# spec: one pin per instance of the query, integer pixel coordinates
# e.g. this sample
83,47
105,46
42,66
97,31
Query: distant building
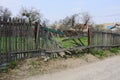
81,27
115,27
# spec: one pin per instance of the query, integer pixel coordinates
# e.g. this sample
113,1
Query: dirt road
108,69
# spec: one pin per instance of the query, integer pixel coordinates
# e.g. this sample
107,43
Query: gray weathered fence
17,40
104,38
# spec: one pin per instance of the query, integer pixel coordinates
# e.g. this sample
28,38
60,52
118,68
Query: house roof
109,27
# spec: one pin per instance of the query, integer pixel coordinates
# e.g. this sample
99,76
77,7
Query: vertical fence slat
100,38
16,35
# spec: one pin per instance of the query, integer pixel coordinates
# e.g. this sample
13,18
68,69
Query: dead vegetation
35,66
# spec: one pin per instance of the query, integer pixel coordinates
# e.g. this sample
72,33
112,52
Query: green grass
98,53
105,53
13,64
85,40
114,50
69,44
11,44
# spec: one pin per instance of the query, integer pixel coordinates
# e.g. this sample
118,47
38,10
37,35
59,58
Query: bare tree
68,22
31,13
86,18
71,21
5,12
77,21
84,23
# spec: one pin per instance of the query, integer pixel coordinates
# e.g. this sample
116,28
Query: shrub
114,50
4,69
13,64
99,53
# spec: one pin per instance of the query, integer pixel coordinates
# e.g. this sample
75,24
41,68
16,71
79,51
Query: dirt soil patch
33,66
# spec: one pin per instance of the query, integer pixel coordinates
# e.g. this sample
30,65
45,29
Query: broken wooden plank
75,37
67,49
62,54
68,52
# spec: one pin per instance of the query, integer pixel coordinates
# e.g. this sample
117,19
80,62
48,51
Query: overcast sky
102,11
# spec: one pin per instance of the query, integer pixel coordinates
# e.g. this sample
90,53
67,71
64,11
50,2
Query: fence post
89,38
0,37
36,34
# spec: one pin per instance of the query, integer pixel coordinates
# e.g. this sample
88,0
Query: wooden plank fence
104,38
17,40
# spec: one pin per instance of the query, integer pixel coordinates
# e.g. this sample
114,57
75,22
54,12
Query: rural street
108,69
